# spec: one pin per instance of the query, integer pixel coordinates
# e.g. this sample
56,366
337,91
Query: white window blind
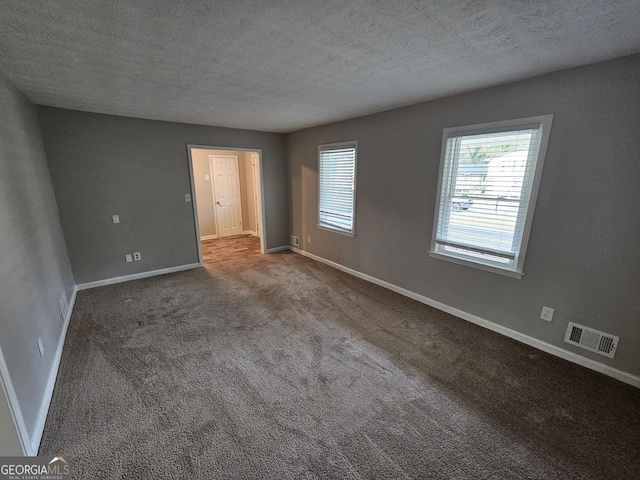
488,183
337,176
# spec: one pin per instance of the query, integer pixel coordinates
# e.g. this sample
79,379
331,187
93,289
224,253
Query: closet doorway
227,201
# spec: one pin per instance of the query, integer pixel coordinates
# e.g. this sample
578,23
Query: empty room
318,240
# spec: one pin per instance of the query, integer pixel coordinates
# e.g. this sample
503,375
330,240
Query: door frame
258,195
212,157
263,222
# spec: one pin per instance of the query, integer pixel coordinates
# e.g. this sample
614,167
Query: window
489,176
337,177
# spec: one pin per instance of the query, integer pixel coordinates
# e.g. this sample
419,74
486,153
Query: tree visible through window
488,184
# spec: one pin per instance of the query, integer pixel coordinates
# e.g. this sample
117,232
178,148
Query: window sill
335,230
481,266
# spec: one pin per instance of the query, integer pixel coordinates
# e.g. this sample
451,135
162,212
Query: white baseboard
209,237
277,249
36,437
508,332
249,232
136,276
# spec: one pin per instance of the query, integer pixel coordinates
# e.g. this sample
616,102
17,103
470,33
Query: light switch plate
128,258
187,197
40,347
115,218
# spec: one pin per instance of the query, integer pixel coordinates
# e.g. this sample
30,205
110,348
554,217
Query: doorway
227,191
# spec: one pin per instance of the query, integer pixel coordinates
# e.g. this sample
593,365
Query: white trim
51,382
257,189
621,375
209,237
195,206
543,123
336,230
263,205
278,249
263,236
14,406
479,265
136,276
249,232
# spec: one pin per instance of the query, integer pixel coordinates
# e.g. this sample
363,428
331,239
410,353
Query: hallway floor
230,248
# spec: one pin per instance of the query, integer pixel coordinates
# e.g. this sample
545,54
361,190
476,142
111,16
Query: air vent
295,241
590,339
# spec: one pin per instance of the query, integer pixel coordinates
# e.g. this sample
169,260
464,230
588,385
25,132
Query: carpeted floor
279,367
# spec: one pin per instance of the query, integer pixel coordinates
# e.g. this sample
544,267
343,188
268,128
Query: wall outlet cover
295,241
137,256
547,314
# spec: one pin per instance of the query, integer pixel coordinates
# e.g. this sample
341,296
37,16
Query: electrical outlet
115,218
128,258
137,256
547,314
40,347
295,241
187,197
309,239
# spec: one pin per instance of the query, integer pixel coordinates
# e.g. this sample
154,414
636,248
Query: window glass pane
337,188
485,190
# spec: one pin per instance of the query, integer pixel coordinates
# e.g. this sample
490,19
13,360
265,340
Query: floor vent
594,340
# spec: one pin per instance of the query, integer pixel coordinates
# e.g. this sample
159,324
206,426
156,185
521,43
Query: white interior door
226,191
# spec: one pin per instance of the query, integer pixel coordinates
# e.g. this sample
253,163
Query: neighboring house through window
489,177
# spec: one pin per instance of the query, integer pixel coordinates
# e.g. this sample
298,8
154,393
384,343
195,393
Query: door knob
218,203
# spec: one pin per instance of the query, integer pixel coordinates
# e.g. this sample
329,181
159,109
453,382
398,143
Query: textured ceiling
282,65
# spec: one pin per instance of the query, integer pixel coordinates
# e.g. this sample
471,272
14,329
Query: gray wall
9,440
583,257
103,165
34,268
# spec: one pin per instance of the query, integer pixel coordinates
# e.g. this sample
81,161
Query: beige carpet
279,367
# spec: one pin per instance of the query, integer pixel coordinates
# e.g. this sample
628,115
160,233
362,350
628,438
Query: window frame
544,122
330,146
